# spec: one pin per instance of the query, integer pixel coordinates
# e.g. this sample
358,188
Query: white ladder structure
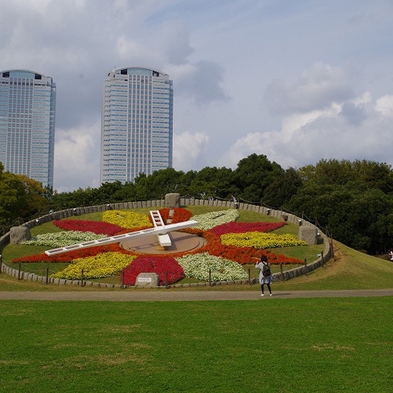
163,238
159,228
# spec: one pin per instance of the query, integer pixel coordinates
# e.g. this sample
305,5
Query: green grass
283,345
276,345
47,227
349,269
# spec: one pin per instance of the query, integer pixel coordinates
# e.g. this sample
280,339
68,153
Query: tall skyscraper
27,124
136,124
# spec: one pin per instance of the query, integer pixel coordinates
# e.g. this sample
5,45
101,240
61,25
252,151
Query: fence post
82,278
166,280
1,263
210,277
122,278
19,269
47,276
305,266
282,272
249,276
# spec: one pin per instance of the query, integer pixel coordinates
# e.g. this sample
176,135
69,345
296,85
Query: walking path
152,295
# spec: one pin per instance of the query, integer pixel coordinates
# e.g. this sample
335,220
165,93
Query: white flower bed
62,239
198,266
210,220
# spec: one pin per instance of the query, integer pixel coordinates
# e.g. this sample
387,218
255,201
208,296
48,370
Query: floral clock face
227,245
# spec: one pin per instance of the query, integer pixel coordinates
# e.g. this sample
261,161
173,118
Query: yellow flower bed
101,265
260,240
127,220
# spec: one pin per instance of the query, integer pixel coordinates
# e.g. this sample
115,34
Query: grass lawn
286,345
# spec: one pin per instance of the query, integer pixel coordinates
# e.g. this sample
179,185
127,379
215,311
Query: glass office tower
27,124
136,124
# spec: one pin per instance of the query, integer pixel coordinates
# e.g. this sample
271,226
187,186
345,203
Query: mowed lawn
278,345
264,345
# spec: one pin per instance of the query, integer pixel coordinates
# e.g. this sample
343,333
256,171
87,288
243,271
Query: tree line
351,201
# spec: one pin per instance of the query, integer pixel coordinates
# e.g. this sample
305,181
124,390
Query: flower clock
228,245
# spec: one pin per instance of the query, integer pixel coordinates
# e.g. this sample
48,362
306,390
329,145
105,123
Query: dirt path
168,295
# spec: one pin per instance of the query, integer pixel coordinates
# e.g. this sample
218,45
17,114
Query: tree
35,197
369,173
9,209
213,182
351,199
20,198
142,192
280,191
163,182
108,192
156,185
375,175
254,175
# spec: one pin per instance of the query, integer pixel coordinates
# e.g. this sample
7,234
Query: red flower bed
179,215
168,270
242,255
241,227
98,227
71,255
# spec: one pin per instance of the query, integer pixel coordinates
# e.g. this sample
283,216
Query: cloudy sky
296,80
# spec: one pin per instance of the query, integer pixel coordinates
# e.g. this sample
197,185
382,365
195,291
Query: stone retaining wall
325,256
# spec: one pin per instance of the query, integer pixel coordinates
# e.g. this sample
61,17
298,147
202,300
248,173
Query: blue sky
296,80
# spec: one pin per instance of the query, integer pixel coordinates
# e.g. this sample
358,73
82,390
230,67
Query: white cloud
129,48
201,82
174,43
76,158
317,88
306,138
188,150
385,105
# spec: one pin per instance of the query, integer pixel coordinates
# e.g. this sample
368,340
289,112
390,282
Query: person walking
265,275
